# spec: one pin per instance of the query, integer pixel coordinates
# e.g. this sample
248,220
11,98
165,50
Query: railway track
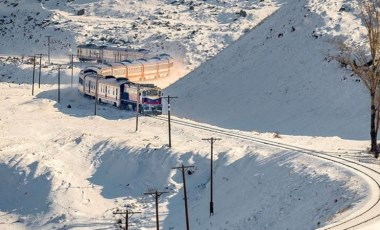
356,220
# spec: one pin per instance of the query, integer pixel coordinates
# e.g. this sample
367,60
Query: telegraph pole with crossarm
182,167
72,67
39,74
34,71
211,140
156,194
170,136
138,107
48,37
59,82
127,214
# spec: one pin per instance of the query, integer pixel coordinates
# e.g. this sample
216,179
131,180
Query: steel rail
320,154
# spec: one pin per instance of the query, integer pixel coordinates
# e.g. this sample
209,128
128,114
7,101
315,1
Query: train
103,54
135,70
122,93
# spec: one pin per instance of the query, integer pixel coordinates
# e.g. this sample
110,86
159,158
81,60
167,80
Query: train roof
125,62
109,80
93,46
112,81
162,58
116,64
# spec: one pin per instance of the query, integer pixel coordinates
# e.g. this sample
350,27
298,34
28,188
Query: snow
266,79
62,167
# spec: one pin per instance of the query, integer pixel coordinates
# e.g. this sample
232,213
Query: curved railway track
355,220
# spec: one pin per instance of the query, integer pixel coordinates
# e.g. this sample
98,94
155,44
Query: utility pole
96,92
48,36
182,167
72,68
211,140
170,135
59,83
34,71
156,194
39,74
127,214
138,107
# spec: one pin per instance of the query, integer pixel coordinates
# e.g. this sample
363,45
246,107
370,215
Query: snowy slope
277,78
191,31
63,168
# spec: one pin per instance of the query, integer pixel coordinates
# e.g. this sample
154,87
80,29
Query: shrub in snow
276,135
243,13
80,12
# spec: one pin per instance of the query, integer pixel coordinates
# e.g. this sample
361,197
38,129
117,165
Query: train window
151,93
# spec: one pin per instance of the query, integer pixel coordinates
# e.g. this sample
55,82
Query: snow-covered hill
191,31
63,168
278,78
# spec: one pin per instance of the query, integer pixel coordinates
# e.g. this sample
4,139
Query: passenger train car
102,54
135,70
122,93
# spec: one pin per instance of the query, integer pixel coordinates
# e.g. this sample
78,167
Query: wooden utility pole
72,68
211,140
170,136
59,83
182,167
156,194
39,74
127,214
138,107
96,93
34,71
48,36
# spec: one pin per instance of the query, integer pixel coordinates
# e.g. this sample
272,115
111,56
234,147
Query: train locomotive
122,93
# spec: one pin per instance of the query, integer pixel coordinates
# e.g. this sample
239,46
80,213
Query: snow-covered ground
61,167
64,168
